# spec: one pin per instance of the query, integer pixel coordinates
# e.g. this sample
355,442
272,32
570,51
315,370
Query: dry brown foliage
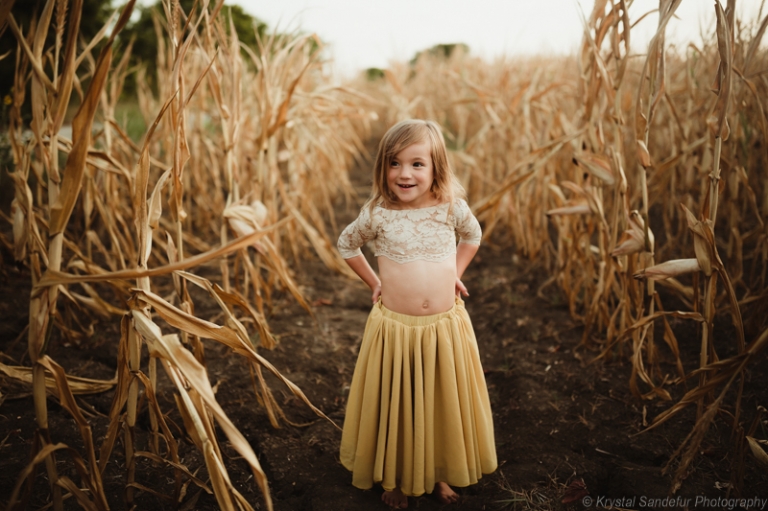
571,160
600,147
245,146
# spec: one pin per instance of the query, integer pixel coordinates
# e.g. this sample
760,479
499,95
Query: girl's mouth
406,186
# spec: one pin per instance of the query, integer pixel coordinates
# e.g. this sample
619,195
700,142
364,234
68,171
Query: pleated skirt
418,410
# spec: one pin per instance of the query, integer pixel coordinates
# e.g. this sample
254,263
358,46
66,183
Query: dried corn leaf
51,278
155,206
757,451
725,74
643,156
90,474
633,239
667,269
224,334
78,385
81,133
196,377
66,79
597,165
41,455
703,241
580,207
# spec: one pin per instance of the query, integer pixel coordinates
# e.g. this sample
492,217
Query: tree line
95,13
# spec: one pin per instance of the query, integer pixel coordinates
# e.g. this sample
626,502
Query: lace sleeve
356,234
466,224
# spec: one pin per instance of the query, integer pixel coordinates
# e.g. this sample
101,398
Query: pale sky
371,33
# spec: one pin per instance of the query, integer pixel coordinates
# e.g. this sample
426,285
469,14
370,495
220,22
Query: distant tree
442,50
145,38
374,73
95,13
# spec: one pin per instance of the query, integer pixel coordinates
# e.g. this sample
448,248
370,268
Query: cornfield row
240,140
576,162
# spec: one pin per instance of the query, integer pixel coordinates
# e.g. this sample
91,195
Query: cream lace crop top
408,235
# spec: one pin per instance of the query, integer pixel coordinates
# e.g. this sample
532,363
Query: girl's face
410,175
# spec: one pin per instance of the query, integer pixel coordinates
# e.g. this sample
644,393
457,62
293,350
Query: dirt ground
558,418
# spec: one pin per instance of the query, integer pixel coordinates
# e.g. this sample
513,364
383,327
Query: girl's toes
445,493
395,499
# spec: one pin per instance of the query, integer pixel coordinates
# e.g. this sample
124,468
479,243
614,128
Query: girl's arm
465,252
470,235
354,236
360,266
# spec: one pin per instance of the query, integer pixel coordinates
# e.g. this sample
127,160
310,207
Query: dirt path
556,417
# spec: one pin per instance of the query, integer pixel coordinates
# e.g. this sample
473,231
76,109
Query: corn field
236,144
634,176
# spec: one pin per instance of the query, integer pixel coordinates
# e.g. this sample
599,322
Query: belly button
425,305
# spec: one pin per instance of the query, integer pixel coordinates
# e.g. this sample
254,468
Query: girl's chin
410,203
406,197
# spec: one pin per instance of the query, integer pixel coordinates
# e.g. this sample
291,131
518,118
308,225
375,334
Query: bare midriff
418,288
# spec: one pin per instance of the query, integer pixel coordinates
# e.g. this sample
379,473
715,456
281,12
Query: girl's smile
410,176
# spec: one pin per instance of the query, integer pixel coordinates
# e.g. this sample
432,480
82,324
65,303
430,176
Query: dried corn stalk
226,128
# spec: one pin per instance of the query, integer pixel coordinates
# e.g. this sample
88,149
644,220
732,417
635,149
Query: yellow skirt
418,409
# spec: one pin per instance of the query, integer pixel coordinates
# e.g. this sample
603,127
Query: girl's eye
418,164
393,164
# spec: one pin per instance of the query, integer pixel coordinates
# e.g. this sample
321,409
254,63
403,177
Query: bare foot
445,493
395,498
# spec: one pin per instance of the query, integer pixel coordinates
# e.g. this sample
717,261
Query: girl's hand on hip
376,293
461,289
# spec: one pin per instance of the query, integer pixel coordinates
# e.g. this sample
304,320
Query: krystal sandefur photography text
699,501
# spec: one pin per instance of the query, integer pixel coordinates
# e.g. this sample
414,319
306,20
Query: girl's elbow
469,245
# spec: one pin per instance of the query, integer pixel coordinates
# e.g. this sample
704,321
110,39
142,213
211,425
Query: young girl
418,416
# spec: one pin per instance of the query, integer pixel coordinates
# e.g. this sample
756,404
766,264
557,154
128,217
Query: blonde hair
445,186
